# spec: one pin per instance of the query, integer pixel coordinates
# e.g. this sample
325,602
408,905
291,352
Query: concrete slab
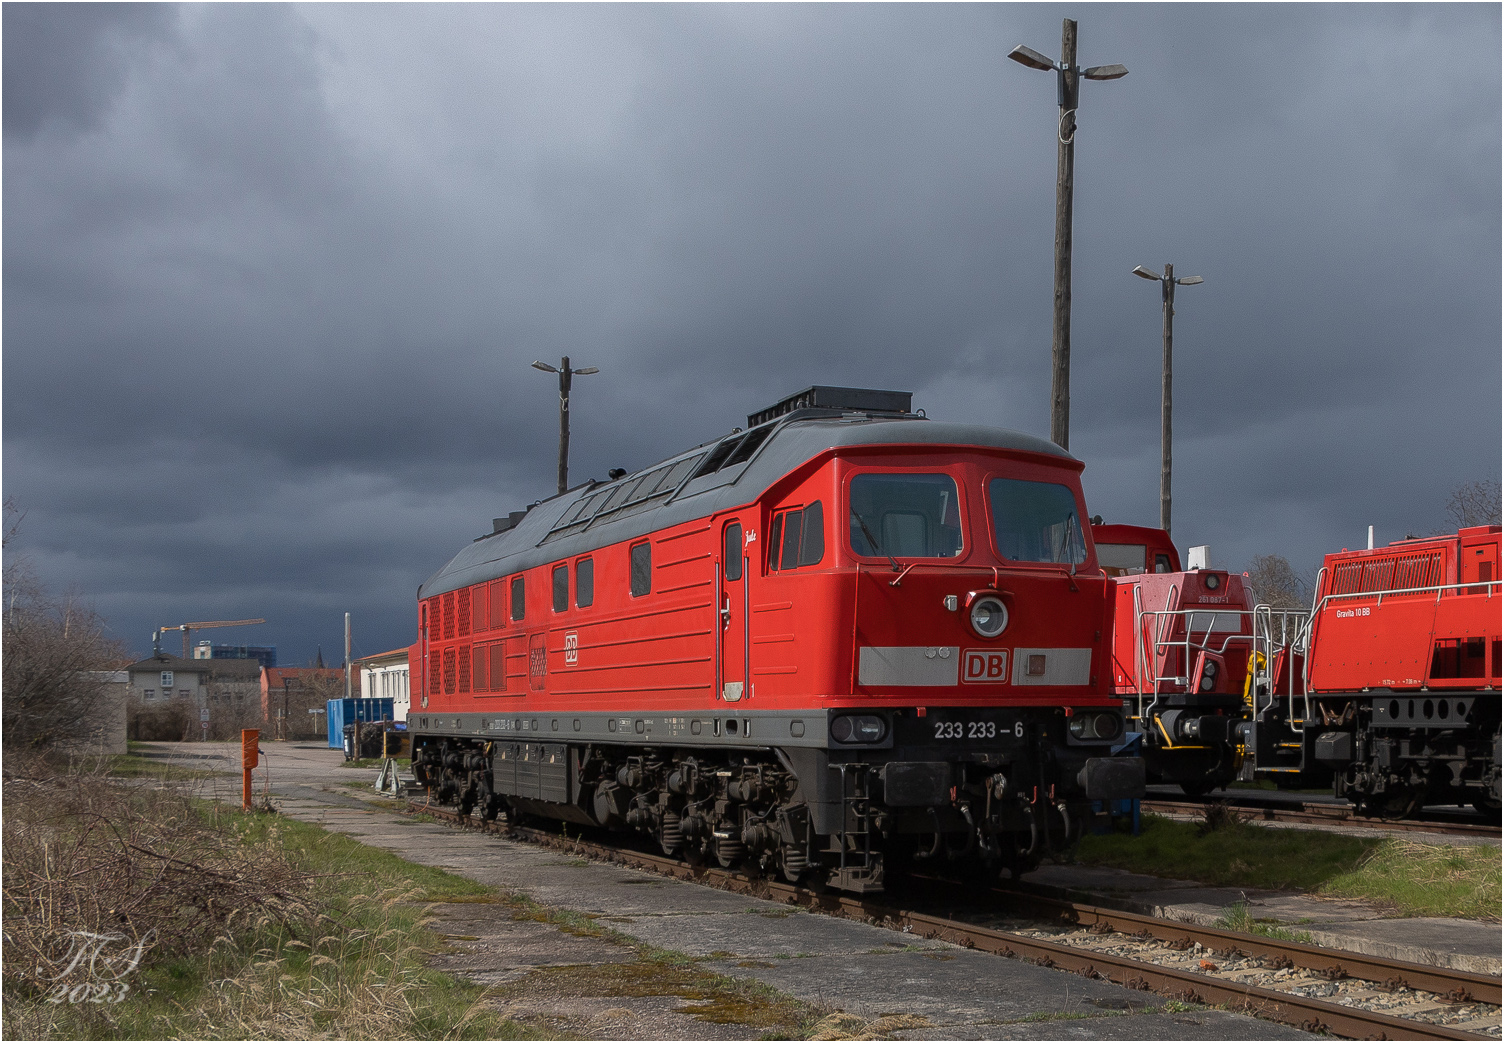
777,933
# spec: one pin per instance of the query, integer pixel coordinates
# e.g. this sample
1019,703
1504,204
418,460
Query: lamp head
586,369
1032,58
1144,273
545,367
1105,72
1189,281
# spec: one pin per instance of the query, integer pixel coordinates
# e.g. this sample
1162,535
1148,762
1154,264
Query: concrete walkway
897,986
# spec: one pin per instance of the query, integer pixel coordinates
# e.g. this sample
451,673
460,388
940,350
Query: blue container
343,712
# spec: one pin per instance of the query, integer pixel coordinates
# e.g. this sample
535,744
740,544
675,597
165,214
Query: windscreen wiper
874,542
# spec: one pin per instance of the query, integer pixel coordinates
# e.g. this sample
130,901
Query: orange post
249,748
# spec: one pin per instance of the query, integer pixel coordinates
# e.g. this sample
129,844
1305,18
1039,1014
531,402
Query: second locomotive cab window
517,598
797,538
1036,521
642,569
585,582
905,516
561,588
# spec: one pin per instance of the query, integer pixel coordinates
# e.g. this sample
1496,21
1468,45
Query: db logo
985,665
571,647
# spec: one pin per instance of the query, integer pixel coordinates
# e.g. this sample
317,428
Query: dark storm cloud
65,63
273,274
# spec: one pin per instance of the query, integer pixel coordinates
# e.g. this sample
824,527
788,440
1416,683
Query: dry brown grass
85,854
257,927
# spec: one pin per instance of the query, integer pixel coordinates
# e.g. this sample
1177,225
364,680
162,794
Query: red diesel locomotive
1393,687
842,639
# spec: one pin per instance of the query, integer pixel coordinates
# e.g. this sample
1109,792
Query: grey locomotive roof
793,441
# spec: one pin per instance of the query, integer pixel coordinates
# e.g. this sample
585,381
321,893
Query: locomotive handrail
1164,639
1295,627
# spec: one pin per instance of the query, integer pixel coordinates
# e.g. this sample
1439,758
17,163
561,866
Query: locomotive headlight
1211,580
1209,676
1086,725
989,616
858,728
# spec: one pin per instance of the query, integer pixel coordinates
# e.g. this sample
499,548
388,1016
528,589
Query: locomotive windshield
905,516
1036,522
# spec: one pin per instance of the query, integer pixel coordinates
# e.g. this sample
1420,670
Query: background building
385,676
264,655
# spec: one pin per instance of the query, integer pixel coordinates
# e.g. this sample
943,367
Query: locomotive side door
732,636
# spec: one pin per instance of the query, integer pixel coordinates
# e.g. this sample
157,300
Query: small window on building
642,569
517,598
149,694
585,582
561,588
166,680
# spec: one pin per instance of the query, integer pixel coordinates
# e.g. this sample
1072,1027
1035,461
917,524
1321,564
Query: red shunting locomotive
843,639
1182,642
1394,683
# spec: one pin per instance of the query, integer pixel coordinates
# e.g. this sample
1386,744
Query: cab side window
797,538
561,588
642,569
585,582
517,598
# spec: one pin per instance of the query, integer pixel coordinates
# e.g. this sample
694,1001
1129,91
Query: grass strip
1426,880
1408,878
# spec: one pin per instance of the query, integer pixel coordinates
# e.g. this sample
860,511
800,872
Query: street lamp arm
545,367
1144,273
1189,281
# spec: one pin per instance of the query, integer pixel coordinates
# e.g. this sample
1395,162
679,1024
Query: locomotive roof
606,513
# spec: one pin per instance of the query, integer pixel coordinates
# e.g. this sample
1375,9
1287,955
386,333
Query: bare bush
1276,584
1475,504
83,854
55,653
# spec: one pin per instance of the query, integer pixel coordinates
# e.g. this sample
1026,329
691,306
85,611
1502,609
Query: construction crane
189,628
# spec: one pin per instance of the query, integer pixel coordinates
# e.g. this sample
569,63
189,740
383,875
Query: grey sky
273,274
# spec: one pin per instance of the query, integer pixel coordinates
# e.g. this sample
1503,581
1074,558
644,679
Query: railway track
1321,814
1308,1013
